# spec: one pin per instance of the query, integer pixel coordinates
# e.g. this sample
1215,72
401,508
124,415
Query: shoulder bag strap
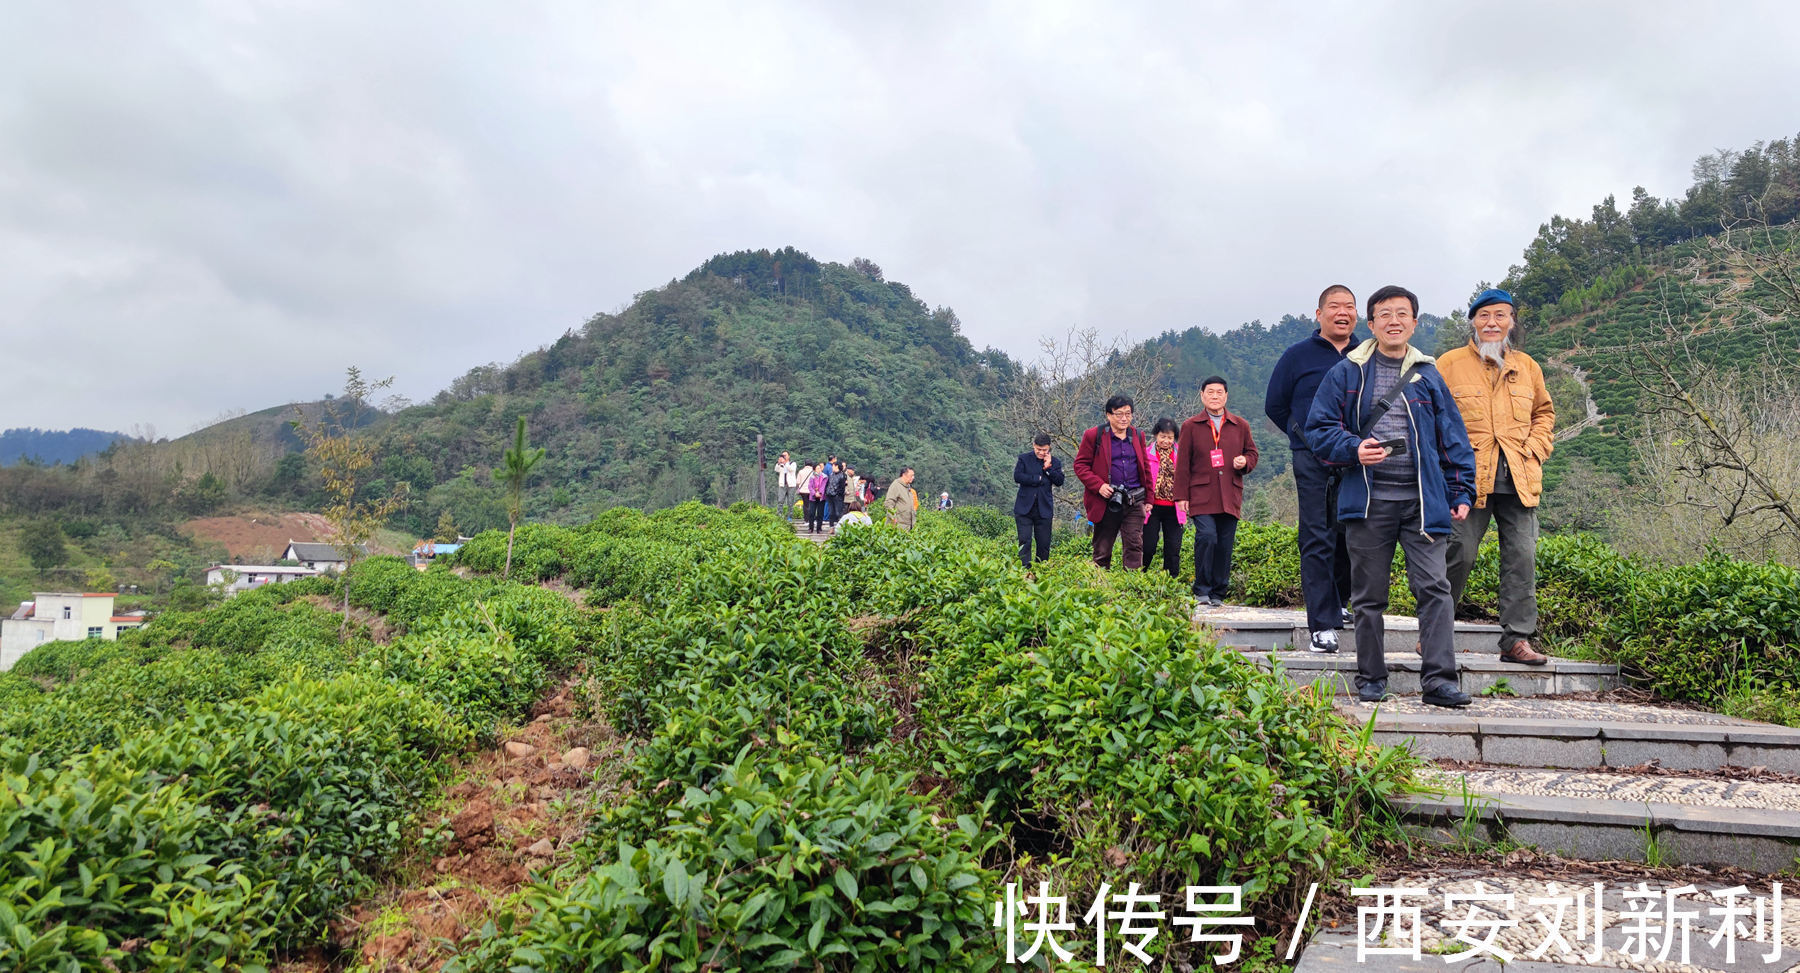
1386,402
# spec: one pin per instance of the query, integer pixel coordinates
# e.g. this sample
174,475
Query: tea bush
1706,630
778,864
216,786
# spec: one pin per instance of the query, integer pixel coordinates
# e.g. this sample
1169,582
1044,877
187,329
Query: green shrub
1706,628
99,852
778,865
985,522
1117,726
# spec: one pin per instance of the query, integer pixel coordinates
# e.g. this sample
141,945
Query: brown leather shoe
1521,653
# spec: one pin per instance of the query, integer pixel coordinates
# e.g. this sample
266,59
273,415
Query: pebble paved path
1624,788
1550,707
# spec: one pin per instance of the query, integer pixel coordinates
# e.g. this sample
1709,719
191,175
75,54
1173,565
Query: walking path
1547,761
825,533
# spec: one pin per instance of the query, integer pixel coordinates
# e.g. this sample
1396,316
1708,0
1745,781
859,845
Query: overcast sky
209,206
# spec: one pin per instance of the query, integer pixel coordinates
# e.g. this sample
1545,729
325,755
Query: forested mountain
662,402
48,446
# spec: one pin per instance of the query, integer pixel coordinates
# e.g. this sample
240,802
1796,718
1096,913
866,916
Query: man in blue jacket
1385,415
1324,563
1037,473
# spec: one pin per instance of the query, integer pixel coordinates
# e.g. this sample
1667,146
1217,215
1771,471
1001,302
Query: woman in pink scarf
1161,516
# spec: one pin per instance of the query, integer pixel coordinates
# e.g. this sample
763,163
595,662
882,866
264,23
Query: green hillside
662,402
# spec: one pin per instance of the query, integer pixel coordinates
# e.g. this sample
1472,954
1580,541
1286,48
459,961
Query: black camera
1121,496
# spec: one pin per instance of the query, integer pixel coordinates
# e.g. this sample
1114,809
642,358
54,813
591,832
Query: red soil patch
258,538
517,812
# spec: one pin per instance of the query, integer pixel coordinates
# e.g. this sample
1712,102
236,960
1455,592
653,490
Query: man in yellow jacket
1511,420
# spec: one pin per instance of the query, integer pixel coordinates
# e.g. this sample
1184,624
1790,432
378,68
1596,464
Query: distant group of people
831,491
1390,447
1148,491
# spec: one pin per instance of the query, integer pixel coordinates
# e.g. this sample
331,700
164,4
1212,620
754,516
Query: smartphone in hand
1394,447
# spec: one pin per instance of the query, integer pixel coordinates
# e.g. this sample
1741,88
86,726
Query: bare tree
1064,392
1720,440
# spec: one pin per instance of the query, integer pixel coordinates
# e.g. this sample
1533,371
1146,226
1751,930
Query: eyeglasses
1121,414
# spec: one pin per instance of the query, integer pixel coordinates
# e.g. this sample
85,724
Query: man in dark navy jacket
1037,473
1324,562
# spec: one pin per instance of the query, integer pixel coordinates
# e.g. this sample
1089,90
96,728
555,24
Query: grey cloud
220,206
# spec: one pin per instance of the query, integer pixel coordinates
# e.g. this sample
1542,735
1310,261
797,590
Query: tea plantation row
214,788
842,751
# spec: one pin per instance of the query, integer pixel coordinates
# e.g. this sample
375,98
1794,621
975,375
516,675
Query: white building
324,557
60,617
243,577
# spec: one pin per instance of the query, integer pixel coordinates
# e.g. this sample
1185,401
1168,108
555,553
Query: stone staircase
826,532
1277,637
1586,778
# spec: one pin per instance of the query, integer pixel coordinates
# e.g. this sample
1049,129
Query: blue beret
1492,295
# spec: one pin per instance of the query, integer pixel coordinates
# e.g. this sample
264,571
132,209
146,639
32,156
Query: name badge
1218,459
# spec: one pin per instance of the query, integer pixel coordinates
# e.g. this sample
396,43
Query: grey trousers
1371,543
784,500
1518,526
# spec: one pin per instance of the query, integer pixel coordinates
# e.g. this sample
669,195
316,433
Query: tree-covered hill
662,402
50,446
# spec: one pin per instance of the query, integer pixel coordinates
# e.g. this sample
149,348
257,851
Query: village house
243,577
53,616
323,557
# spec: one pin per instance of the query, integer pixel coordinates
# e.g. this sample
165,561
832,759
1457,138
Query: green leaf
845,883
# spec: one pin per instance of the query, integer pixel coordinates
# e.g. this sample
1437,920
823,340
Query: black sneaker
1346,617
1447,696
1324,642
1374,692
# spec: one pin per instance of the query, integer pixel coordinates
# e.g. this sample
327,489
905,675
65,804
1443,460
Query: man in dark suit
1037,473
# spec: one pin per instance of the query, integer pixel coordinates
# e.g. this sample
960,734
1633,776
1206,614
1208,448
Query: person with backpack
1114,468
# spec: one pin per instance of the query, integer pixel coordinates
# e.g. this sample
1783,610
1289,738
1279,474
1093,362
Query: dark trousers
1324,559
1033,529
1164,522
835,508
1518,526
815,514
1125,520
1214,537
1371,541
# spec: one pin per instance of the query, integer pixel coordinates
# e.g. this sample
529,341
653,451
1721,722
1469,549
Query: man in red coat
1217,452
1115,470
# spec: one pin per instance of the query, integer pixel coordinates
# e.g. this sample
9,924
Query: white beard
1494,351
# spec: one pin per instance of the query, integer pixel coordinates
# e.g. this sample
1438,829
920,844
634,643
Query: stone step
1548,732
1663,820
1336,673
1277,628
